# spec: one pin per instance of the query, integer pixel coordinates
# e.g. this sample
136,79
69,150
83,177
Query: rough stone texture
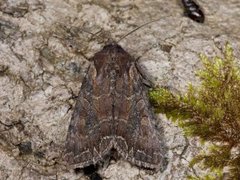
44,47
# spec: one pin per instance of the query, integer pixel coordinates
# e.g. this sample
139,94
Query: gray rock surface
44,47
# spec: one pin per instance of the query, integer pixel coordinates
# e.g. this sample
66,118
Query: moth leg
145,80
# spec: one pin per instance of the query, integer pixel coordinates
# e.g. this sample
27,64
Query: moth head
112,58
113,47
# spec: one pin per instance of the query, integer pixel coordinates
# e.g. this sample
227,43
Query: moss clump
210,111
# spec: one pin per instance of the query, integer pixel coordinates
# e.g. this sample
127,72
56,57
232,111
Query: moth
193,11
112,111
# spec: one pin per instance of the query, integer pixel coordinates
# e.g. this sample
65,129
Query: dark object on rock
193,11
91,172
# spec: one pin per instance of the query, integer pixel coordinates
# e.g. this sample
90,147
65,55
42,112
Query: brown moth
113,112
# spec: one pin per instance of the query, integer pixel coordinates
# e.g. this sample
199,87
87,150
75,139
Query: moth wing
138,138
89,134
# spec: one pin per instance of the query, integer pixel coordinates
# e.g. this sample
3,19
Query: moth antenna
113,41
145,24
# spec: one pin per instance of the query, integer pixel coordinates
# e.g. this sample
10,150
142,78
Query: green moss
210,111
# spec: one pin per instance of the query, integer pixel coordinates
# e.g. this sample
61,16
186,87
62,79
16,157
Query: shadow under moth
113,112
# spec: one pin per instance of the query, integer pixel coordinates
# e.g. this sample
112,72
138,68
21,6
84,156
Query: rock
44,52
